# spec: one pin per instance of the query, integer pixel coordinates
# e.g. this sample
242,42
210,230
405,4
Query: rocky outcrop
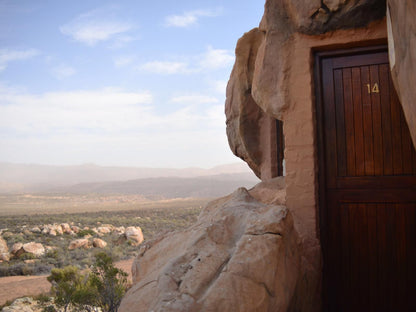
241,255
401,25
33,248
260,77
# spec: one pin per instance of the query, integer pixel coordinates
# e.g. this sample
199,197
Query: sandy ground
12,287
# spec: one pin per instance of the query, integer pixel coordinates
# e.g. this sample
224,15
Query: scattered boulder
4,250
66,228
120,230
33,248
134,234
79,243
98,243
36,229
16,249
104,230
241,255
26,232
75,229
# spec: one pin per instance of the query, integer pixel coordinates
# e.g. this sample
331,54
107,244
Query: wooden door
367,166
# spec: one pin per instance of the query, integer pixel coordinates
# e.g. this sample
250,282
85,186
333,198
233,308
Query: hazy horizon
118,83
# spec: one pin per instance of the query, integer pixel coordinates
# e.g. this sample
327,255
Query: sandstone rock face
4,250
36,249
241,255
260,77
243,114
79,243
402,46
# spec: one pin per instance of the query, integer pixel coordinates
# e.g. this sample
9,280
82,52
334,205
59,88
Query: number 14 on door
373,89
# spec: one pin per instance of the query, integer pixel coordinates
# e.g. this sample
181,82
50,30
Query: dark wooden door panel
367,186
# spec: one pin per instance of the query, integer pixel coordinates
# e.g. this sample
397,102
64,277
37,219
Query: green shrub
109,281
103,287
70,287
83,233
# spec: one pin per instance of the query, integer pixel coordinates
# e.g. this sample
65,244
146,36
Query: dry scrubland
19,214
36,204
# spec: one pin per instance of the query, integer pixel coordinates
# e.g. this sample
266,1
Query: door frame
320,156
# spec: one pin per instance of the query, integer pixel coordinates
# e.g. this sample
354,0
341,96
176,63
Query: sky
118,83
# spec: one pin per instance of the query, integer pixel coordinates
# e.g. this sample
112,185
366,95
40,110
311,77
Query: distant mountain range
150,182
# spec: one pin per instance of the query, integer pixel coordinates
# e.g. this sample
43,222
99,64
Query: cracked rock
241,255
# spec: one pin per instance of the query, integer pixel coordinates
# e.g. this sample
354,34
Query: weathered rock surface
33,248
79,243
134,234
402,46
244,116
98,243
241,255
24,304
16,249
4,250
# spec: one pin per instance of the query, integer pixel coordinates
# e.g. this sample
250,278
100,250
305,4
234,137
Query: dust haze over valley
28,189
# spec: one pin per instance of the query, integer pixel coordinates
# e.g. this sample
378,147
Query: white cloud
9,55
195,99
211,60
104,110
165,67
189,18
63,71
109,126
216,59
96,26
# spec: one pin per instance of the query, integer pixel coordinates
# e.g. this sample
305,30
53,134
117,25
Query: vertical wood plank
340,123
401,272
367,121
345,255
355,261
358,122
376,115
349,121
382,256
410,255
373,269
329,125
386,119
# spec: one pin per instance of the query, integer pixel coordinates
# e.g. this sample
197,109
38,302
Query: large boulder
36,249
98,243
241,255
134,235
79,243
